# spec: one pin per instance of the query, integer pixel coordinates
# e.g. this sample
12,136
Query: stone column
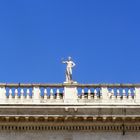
2,94
70,94
36,95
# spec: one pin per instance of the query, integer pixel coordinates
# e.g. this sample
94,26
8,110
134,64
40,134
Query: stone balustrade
107,93
69,93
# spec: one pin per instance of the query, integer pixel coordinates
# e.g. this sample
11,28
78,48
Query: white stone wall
68,136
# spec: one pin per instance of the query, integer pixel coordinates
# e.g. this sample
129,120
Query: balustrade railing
57,93
28,93
112,93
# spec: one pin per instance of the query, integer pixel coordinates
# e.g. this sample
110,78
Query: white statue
70,65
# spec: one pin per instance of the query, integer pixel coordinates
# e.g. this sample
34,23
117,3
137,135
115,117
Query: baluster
134,93
95,94
4,93
22,94
89,94
124,94
63,94
10,93
57,94
51,94
118,94
45,94
38,95
83,94
16,93
28,94
112,94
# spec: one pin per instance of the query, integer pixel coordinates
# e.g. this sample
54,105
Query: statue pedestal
71,82
70,93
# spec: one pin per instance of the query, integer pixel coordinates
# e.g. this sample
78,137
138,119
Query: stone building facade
69,111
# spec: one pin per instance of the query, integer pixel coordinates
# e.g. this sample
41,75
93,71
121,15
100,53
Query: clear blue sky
102,36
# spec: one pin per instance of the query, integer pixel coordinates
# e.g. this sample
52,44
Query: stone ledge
71,110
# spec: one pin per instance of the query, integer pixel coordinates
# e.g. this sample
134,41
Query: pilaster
2,94
105,96
36,94
70,93
137,94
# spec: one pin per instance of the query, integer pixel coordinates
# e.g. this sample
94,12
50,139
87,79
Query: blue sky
102,37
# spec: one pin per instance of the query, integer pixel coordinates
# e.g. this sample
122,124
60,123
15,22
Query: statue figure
70,64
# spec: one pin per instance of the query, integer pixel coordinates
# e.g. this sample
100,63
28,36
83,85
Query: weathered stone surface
67,136
71,110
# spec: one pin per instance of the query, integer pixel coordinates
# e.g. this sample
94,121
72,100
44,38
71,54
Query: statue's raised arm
70,65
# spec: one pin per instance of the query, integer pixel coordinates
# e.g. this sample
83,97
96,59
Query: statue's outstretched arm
64,62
